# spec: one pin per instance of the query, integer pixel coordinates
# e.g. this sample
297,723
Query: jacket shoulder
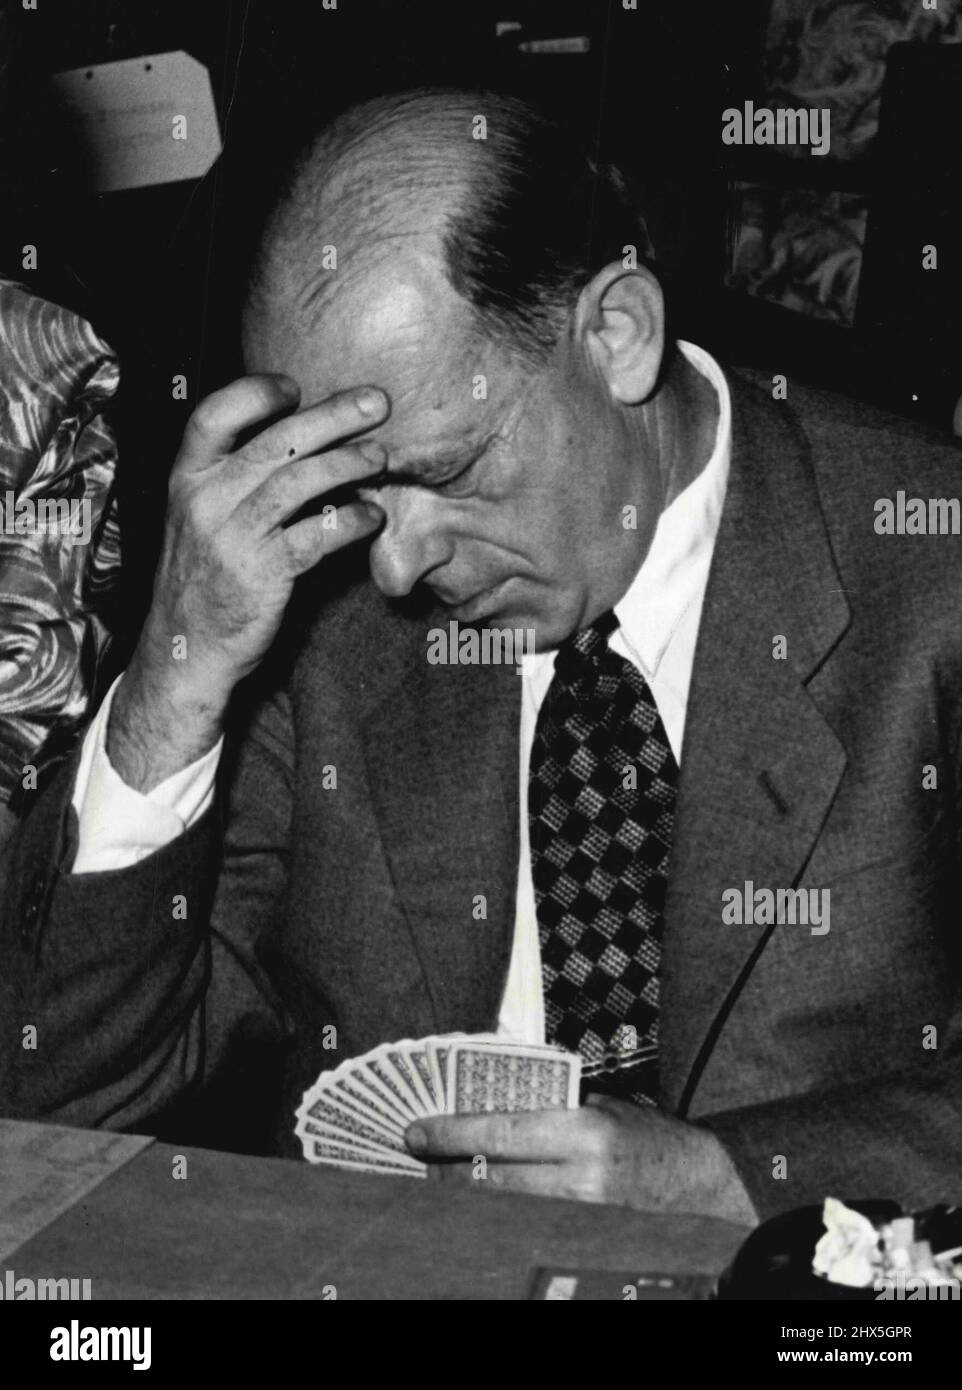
868,466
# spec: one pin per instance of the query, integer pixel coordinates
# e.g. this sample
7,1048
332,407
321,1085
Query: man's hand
230,558
608,1151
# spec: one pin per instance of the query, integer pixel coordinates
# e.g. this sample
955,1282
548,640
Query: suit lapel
759,767
442,752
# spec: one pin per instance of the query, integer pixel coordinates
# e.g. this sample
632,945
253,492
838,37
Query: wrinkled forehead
409,334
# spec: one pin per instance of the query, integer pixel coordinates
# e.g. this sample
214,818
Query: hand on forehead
402,328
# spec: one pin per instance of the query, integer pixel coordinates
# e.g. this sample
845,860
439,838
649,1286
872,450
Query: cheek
545,463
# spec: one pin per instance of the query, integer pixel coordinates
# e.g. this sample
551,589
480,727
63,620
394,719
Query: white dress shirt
658,626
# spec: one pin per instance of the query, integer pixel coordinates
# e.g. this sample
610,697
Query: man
769,686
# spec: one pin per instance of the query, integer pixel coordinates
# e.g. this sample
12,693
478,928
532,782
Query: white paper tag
144,120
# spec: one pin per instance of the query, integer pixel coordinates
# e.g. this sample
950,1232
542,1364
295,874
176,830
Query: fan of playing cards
355,1116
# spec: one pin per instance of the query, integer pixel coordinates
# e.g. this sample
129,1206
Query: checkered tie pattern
601,807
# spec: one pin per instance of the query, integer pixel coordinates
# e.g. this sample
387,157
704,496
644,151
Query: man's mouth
472,607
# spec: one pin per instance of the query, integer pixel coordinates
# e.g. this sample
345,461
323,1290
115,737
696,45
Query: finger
308,541
603,1102
319,426
551,1136
291,486
221,417
573,1181
624,1109
577,1182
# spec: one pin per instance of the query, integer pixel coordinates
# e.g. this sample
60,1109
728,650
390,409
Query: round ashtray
775,1262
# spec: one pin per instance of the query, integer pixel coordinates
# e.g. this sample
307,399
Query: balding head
515,215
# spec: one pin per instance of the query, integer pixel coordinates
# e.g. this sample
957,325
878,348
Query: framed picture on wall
797,216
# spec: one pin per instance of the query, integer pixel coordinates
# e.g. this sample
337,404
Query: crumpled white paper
848,1252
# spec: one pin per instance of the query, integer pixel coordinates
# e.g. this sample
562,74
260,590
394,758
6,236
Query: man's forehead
370,300
448,391
396,313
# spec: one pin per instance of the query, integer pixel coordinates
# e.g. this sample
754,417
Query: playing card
438,1049
310,1129
417,1055
387,1077
397,1055
509,1077
360,1145
437,1075
325,1151
364,1075
352,1126
367,1102
355,1116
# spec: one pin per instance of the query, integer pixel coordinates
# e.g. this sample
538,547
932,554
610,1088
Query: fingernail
415,1138
370,401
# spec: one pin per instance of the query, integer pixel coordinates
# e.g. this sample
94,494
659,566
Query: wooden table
240,1227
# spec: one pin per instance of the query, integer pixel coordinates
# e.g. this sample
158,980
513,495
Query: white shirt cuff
119,826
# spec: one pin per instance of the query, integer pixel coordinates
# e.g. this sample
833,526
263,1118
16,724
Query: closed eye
432,476
454,486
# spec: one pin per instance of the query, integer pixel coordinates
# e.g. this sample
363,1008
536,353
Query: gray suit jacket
352,906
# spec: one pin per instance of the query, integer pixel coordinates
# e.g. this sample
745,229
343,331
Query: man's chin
536,635
498,607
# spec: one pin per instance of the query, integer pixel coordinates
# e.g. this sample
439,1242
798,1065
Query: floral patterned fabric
832,53
802,247
56,451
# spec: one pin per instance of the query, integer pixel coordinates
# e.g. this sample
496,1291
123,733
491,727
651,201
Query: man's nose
411,544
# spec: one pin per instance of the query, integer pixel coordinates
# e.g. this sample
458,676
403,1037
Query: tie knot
586,646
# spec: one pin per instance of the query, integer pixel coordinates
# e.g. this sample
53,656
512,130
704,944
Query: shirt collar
674,572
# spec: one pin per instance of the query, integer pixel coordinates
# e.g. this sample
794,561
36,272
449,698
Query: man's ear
620,320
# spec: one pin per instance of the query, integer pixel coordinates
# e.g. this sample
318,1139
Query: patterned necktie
601,806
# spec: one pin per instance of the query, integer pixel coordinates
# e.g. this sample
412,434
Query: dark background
157,270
